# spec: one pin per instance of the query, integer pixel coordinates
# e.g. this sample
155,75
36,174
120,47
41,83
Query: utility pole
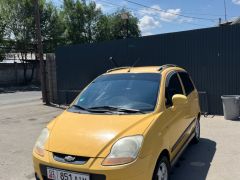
225,10
128,28
125,16
219,21
40,54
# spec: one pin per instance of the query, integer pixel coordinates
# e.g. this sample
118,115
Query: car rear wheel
196,138
162,169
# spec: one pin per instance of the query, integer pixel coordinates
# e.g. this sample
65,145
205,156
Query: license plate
57,174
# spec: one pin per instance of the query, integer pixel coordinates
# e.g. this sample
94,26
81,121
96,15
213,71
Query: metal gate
211,56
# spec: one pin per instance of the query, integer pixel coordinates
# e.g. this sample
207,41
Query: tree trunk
25,73
32,72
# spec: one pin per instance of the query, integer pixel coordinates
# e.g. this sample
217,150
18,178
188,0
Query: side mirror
179,99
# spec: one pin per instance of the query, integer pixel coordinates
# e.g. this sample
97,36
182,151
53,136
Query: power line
165,11
135,10
118,5
112,4
200,14
204,14
185,13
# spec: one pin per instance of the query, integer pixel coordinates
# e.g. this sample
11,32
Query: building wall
211,56
11,74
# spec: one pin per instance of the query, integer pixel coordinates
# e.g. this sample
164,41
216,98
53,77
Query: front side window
136,91
173,86
187,82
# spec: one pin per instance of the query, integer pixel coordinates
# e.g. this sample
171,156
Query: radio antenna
134,64
113,61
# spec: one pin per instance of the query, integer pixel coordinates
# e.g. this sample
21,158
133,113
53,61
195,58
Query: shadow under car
195,162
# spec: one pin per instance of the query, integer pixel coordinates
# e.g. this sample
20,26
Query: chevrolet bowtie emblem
69,158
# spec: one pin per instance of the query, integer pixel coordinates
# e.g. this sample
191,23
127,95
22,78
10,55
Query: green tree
21,25
85,23
76,22
122,28
93,15
52,27
103,31
21,30
81,21
3,26
74,18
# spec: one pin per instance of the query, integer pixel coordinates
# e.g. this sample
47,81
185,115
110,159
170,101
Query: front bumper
141,168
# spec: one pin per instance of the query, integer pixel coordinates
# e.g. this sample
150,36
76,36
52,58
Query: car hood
93,135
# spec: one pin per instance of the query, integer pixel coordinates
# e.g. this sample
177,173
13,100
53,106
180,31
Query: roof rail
165,66
118,68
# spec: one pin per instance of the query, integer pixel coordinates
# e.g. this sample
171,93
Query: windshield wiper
80,107
118,109
90,110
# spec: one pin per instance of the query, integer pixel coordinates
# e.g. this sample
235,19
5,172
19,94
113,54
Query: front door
177,123
192,96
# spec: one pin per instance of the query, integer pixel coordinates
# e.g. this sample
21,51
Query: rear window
187,83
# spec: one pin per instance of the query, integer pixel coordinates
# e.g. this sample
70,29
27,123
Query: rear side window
187,83
173,86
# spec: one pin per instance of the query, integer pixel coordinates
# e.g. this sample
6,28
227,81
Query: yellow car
131,123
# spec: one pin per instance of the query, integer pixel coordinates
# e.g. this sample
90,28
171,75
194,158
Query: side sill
175,159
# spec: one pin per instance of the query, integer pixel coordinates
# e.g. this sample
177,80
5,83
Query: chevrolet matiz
131,123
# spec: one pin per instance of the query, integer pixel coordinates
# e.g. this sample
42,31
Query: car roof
144,69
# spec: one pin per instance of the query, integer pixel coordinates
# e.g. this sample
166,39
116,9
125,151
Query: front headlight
39,146
124,151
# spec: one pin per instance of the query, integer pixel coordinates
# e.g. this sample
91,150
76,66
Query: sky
164,16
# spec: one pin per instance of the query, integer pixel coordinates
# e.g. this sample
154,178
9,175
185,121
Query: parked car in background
130,123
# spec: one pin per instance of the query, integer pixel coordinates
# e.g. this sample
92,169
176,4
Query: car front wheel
162,169
196,138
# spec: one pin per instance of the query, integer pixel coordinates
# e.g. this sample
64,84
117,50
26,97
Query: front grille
43,169
69,159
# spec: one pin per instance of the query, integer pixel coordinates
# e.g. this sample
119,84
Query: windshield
134,92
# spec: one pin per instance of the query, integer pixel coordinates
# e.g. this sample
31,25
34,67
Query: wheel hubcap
197,130
162,172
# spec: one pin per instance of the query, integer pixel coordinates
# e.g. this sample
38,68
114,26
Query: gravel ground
22,116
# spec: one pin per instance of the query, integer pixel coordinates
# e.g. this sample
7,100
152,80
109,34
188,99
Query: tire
197,130
164,166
